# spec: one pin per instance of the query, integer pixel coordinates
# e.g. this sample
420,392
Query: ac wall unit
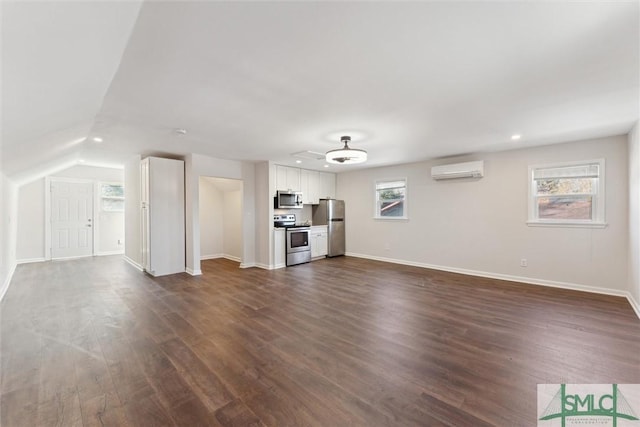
458,170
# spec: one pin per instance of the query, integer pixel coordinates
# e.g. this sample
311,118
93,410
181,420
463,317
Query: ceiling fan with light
346,155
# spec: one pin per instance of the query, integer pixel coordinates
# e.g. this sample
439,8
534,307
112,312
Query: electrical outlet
387,247
523,262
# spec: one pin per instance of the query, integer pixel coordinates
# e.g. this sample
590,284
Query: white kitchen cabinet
319,242
279,255
314,185
162,211
287,178
327,187
310,186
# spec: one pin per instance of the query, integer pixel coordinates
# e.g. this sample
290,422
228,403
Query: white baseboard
521,279
7,281
29,260
268,267
214,256
263,266
107,253
69,258
133,263
634,304
225,256
193,272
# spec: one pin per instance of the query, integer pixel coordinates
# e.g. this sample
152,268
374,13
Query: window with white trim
112,197
391,199
567,194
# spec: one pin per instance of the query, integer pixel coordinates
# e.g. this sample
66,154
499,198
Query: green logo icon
588,404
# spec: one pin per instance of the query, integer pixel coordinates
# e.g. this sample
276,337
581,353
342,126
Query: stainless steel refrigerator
330,212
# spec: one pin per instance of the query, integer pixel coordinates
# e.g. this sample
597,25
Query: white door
71,219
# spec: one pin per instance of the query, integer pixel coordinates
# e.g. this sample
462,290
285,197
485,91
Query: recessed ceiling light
298,161
97,139
516,137
81,160
326,166
180,131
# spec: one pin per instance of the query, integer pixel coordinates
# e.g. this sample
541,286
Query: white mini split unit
458,170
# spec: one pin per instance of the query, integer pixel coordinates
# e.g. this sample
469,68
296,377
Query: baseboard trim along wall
263,266
634,304
107,253
193,272
29,260
7,282
269,267
133,263
225,256
521,279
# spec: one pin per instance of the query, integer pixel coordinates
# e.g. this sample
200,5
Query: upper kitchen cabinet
314,185
287,178
327,187
310,186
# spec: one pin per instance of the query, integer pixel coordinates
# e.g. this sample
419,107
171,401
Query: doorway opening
220,202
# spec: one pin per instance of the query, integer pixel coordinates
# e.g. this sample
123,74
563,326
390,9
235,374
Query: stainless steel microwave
288,200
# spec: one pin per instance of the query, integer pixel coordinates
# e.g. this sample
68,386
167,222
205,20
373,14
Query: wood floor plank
340,341
19,407
62,409
103,410
147,411
237,414
204,383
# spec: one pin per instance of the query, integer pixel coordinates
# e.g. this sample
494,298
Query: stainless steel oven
298,243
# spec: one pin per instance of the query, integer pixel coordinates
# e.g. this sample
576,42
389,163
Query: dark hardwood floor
337,342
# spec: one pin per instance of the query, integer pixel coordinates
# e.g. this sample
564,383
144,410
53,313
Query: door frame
48,180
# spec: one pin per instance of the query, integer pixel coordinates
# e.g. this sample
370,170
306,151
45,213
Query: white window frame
101,197
376,214
598,207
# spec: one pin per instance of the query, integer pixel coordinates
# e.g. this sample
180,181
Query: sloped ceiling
58,60
261,80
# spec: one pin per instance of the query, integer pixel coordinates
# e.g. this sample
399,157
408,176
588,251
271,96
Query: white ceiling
261,80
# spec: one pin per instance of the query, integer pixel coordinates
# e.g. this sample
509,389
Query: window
391,202
112,197
567,194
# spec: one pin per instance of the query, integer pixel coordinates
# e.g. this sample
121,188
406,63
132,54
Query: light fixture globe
346,155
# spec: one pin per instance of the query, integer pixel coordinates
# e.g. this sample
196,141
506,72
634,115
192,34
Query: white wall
132,230
8,229
264,176
109,229
30,244
211,220
479,226
93,173
232,224
220,204
634,216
